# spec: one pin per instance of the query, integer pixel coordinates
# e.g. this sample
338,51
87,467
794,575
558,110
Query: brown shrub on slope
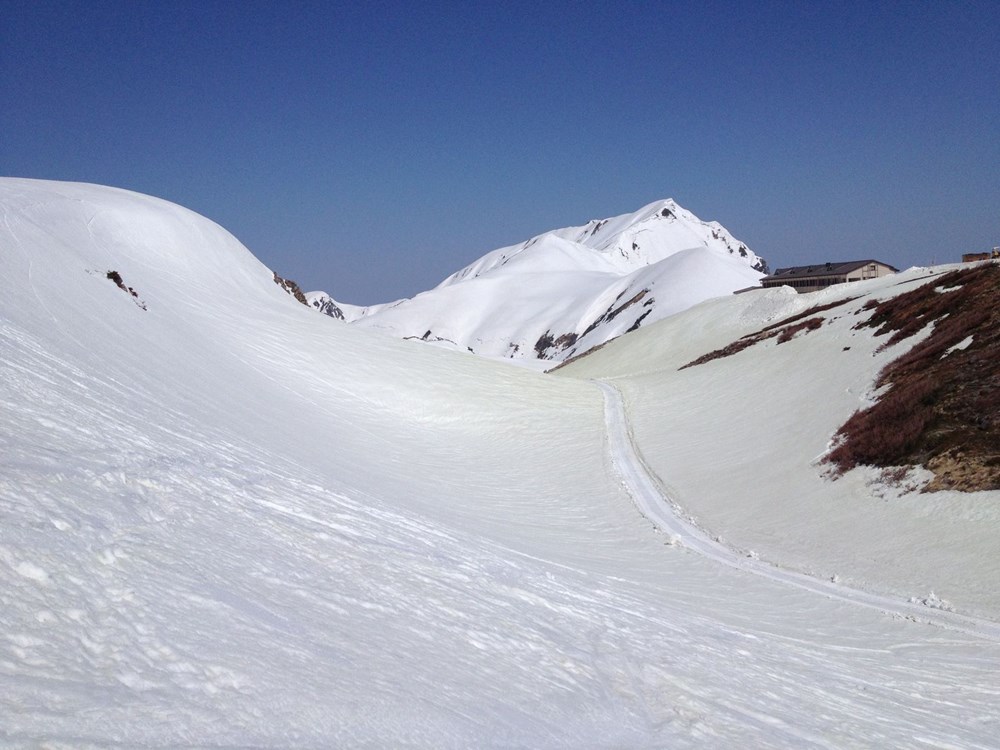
783,329
942,408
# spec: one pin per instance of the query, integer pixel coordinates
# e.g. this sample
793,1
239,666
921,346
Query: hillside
760,385
228,521
941,405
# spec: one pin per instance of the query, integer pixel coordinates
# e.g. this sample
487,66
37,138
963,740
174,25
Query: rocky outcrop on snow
325,304
340,310
292,288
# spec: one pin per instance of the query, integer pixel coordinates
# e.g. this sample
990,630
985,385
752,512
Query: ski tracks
664,513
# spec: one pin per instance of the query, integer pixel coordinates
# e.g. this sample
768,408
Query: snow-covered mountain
340,310
562,292
226,522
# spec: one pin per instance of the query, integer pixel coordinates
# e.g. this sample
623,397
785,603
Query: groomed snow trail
664,513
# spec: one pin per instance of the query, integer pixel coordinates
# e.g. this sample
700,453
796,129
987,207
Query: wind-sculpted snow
231,524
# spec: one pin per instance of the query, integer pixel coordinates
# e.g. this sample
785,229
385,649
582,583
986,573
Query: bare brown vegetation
814,310
788,332
783,329
942,406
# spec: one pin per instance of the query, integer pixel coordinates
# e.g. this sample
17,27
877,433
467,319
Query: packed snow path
654,503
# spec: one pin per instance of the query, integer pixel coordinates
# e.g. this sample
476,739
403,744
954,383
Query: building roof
823,269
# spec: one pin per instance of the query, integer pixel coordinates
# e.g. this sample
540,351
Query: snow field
227,520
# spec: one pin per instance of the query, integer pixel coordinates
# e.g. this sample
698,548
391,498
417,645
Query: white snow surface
764,419
655,503
226,522
565,291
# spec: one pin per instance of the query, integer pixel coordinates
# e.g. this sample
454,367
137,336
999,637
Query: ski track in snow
665,514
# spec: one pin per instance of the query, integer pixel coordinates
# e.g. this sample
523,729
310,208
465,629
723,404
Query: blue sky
371,149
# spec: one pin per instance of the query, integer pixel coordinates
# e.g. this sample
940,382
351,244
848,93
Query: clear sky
370,149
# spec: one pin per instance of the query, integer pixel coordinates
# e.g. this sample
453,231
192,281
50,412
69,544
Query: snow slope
256,529
769,493
567,290
655,504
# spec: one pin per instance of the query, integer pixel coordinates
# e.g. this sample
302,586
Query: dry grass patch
784,330
942,406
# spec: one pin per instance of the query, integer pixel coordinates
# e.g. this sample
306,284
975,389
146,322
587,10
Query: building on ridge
819,276
973,257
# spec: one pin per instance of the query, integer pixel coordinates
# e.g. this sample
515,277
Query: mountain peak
563,291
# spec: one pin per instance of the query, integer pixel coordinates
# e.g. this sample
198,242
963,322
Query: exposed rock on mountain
292,288
325,304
